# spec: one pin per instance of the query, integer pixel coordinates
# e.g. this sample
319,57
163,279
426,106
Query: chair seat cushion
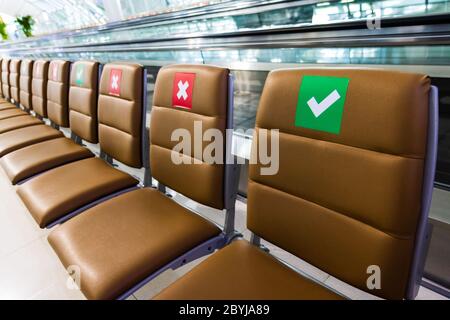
18,122
120,242
241,271
29,161
6,106
23,137
9,113
62,190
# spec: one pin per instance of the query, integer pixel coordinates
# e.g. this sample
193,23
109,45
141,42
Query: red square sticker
183,88
115,78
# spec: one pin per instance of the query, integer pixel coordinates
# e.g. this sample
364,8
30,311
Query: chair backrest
39,87
1,90
185,95
25,79
14,79
347,196
120,112
83,100
5,79
58,92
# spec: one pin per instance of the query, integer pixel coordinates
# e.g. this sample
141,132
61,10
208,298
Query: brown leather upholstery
1,90
83,100
20,138
14,79
120,114
7,106
39,87
347,201
18,122
5,79
10,113
112,258
26,76
242,271
342,202
120,242
29,161
50,154
92,179
58,92
200,182
24,95
49,196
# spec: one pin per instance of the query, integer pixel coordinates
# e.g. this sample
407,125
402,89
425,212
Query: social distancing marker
79,75
115,79
320,104
183,88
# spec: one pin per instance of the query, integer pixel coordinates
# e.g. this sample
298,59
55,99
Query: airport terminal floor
226,150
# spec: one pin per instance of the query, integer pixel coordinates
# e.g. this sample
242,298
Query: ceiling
55,15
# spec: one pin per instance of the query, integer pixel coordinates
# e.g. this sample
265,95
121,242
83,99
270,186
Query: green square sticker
79,74
321,103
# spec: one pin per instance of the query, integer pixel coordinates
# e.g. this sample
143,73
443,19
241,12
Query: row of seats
343,202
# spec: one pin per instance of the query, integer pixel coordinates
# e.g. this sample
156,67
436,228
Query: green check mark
325,115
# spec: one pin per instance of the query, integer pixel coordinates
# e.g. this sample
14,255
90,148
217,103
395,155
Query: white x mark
182,87
115,82
319,108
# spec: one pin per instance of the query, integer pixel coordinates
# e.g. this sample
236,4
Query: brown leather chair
57,194
83,96
2,100
342,202
4,103
5,79
26,79
23,137
14,79
57,92
27,162
9,109
123,243
39,88
24,120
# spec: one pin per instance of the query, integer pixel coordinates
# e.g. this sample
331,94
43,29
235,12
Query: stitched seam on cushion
139,101
71,108
125,132
346,145
83,114
171,150
175,109
395,236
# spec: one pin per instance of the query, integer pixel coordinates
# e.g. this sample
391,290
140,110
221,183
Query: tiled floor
29,269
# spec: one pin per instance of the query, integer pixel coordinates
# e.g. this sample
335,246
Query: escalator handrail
430,30
184,14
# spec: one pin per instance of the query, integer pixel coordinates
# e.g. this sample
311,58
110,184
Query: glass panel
443,164
74,15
